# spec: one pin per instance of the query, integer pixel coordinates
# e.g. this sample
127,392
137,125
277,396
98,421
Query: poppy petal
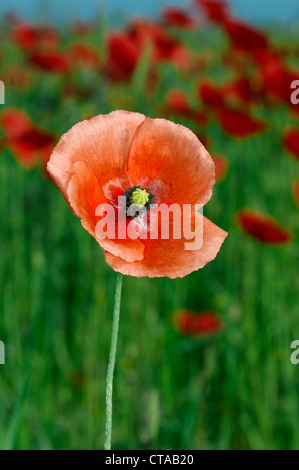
106,156
169,159
170,258
262,227
85,195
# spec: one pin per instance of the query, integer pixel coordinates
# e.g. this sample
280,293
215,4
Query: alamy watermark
160,222
2,92
2,353
295,94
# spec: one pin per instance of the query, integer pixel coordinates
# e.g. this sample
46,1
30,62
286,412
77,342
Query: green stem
111,364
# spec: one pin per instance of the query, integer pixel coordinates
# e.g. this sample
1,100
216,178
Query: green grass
238,390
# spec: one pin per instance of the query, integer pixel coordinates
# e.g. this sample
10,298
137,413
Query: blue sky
255,10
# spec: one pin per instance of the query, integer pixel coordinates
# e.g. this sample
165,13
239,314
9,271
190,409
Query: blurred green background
234,390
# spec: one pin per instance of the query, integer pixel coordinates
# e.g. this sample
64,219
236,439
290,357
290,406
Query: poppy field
204,359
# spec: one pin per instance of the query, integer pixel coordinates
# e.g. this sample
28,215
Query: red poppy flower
177,103
47,61
273,76
291,141
142,161
28,36
209,94
84,56
28,143
165,47
221,167
238,92
176,17
262,227
55,62
197,325
296,191
238,123
215,10
244,37
123,56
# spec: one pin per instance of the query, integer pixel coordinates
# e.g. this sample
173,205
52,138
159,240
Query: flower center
140,197
137,201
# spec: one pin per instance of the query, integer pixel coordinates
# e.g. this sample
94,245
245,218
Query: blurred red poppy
29,144
126,48
238,92
177,103
221,167
123,55
84,55
29,36
244,37
215,10
209,93
274,78
262,227
177,17
48,61
291,141
238,123
296,191
197,325
165,47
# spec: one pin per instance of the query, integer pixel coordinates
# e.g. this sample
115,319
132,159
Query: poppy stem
111,363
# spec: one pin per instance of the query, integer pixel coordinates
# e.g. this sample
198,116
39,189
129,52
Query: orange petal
85,195
262,227
169,258
103,142
169,159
